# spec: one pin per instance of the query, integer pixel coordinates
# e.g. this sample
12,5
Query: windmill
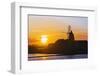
69,33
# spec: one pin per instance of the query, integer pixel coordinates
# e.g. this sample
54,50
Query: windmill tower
70,34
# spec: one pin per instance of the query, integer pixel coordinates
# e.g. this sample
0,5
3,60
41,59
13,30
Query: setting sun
44,39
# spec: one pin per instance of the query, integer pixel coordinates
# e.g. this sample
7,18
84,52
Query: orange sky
54,27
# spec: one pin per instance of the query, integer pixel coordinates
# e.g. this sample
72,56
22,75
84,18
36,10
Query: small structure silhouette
70,34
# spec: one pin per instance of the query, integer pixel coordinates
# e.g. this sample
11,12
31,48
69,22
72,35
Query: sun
44,39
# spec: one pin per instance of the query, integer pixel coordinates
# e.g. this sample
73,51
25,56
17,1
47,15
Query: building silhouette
70,34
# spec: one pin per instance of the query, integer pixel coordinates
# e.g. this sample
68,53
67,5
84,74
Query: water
38,56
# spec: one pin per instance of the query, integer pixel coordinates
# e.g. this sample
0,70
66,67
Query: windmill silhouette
70,34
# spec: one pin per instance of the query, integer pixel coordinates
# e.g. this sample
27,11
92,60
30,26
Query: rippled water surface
37,56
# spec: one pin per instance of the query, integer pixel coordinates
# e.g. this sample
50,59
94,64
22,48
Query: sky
56,27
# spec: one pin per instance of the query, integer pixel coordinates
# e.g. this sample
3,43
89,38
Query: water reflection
54,56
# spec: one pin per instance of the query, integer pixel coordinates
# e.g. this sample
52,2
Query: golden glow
44,30
44,39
